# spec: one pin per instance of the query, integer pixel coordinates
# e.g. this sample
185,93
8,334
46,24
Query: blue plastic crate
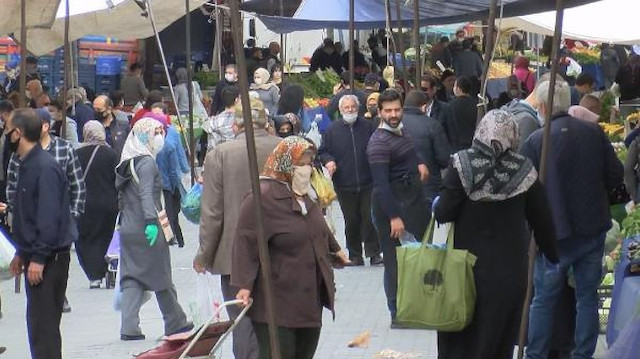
108,65
45,64
106,84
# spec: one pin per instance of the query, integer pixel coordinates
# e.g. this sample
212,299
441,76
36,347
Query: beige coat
226,182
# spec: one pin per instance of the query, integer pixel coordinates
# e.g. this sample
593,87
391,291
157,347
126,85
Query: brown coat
300,248
226,182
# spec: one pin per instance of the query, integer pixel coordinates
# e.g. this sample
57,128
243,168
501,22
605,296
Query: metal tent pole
67,69
351,49
400,46
546,138
416,41
23,55
192,142
263,251
166,71
488,51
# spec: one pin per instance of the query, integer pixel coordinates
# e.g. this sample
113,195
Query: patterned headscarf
490,170
140,139
94,134
281,162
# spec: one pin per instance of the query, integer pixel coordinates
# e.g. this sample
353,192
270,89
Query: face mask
301,180
373,110
258,81
158,143
396,130
230,77
28,94
350,118
100,115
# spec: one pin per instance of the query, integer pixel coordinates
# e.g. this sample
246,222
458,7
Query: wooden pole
192,141
351,43
67,69
263,251
488,51
23,55
546,139
400,46
416,41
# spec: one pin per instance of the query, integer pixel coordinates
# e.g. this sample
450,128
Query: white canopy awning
608,21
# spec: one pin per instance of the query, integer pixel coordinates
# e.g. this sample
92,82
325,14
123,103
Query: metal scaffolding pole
192,141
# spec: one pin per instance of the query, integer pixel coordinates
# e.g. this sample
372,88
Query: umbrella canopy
370,14
114,18
604,21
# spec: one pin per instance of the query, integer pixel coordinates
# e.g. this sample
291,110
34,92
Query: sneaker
2,350
126,337
356,262
95,284
376,260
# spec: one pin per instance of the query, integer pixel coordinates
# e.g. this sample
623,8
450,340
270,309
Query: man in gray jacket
226,182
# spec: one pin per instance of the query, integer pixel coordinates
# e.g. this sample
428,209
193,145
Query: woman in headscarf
287,125
493,196
269,93
300,247
182,95
372,109
525,76
96,224
145,263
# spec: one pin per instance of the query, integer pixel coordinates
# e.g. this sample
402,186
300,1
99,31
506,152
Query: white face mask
301,179
230,77
258,80
350,118
158,143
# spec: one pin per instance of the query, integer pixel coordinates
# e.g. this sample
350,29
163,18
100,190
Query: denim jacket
172,161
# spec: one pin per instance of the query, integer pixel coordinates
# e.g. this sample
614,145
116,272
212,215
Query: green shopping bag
436,288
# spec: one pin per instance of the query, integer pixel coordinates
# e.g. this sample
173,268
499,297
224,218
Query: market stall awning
123,20
39,13
370,14
271,7
606,21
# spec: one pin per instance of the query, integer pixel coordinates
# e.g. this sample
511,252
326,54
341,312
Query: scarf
262,74
490,170
140,140
94,134
280,164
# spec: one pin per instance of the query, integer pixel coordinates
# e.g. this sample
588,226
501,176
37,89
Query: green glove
151,231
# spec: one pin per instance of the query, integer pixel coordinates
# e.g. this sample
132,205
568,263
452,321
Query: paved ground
91,329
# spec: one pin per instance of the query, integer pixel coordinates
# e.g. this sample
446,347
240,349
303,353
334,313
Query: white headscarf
140,140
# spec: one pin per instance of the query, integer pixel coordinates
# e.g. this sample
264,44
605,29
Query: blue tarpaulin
370,14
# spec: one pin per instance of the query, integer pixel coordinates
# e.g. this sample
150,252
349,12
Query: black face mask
100,115
285,134
373,110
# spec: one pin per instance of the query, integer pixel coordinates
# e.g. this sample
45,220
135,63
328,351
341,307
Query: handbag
323,187
163,219
436,287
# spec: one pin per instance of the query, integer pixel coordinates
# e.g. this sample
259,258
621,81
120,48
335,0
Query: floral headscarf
140,140
93,133
490,170
281,162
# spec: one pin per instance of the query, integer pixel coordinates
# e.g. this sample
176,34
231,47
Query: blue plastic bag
191,204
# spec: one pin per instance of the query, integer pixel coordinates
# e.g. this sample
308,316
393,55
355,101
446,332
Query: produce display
585,56
198,123
634,117
316,85
499,70
621,150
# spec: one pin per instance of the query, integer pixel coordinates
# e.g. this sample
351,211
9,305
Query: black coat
465,114
83,114
432,145
497,234
441,111
347,146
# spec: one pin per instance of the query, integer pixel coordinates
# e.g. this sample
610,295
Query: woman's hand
244,295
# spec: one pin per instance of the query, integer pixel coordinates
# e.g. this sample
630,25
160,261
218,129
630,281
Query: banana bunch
634,117
612,128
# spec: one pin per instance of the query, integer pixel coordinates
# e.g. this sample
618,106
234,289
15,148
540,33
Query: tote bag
436,288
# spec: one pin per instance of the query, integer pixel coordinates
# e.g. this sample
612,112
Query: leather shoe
376,260
126,337
356,262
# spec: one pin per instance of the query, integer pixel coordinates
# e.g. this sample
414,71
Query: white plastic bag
314,134
441,232
574,69
6,252
206,302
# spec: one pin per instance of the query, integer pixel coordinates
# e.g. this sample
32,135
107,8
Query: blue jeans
584,255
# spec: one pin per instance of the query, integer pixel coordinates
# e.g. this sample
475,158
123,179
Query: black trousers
415,216
172,204
356,208
44,308
245,343
295,343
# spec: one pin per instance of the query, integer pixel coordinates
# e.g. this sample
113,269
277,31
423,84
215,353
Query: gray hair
561,98
258,114
346,98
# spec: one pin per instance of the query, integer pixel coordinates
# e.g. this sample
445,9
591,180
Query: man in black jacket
438,109
465,113
343,152
230,79
429,140
40,234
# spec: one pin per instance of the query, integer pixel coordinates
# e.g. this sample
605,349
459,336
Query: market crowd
393,153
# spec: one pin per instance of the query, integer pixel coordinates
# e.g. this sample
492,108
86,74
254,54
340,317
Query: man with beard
398,172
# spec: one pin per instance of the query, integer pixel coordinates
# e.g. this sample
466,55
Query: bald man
591,103
116,130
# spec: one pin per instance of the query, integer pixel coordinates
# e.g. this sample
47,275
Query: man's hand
3,207
331,167
424,173
397,227
199,268
34,273
16,266
244,295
